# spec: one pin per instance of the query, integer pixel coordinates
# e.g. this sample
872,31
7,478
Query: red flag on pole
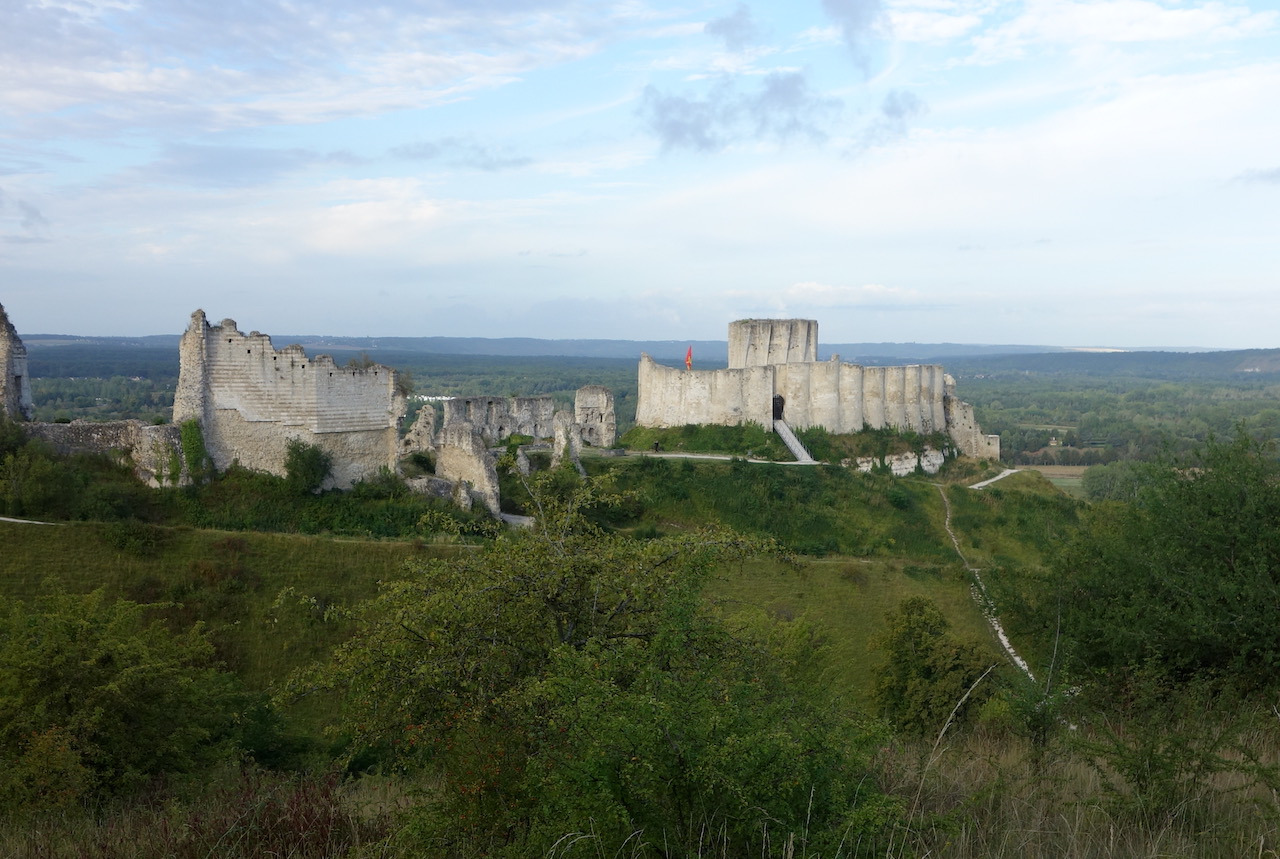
688,359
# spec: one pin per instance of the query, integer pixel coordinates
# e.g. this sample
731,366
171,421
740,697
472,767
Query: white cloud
805,296
936,27
1078,25
194,66
375,215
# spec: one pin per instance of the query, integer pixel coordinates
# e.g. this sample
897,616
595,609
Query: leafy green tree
36,482
572,689
306,466
1115,481
11,436
1187,576
95,700
930,679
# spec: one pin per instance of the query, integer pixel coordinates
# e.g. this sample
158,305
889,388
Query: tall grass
993,794
243,814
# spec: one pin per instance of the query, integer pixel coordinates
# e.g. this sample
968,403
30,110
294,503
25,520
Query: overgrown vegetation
813,510
569,684
96,701
876,444
750,440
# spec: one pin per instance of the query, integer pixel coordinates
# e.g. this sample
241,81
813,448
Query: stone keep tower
15,385
763,342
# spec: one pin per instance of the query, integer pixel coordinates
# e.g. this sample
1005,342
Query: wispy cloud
784,107
32,226
462,153
737,29
122,67
891,122
806,297
1076,25
232,166
861,22
1260,177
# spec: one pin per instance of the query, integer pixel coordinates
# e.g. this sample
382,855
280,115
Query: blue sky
1102,172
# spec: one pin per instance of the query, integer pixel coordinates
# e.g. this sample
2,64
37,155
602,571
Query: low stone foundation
155,451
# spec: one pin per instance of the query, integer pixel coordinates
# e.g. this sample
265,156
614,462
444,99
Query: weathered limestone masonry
252,399
774,372
594,414
464,459
15,385
496,418
155,451
473,425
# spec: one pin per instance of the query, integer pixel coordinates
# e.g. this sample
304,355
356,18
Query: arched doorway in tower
778,404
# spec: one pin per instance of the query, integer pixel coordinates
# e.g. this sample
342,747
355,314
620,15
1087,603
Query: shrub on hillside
95,700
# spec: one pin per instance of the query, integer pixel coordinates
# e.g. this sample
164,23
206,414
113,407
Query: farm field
1068,478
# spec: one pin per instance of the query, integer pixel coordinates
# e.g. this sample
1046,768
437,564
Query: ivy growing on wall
199,466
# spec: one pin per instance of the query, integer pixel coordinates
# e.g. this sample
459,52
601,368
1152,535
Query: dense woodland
681,658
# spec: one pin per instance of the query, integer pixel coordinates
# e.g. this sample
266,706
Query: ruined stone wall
594,415
964,430
669,397
464,459
496,418
15,383
252,399
761,342
154,451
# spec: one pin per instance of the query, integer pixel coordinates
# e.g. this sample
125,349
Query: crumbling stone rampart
154,451
594,415
464,459
252,399
497,418
15,384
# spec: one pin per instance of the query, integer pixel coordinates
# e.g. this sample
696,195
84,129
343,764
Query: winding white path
979,587
999,476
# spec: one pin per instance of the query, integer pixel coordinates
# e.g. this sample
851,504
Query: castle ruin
251,400
15,384
774,375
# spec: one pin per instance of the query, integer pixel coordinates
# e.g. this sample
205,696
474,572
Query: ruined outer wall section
464,459
155,451
763,342
15,382
668,397
963,427
252,399
594,414
496,418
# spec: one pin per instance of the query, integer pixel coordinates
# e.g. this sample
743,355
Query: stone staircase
793,444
